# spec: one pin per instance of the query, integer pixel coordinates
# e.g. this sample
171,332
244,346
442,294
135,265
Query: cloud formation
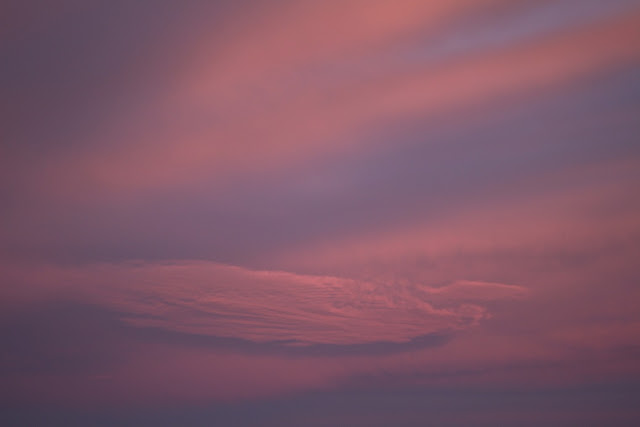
202,201
272,306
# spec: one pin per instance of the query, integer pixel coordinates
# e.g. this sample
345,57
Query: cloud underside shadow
75,338
296,348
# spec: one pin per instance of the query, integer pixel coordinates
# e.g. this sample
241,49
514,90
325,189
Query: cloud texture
273,306
223,200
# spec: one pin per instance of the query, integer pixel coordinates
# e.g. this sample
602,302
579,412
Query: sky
320,213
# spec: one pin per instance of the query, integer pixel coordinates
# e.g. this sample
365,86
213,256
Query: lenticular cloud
266,306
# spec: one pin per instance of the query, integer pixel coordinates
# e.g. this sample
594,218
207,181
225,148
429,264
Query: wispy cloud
207,200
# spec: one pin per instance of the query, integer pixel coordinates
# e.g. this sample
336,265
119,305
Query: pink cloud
255,118
560,211
261,306
257,142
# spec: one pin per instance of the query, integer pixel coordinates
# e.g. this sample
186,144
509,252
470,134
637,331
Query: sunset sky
392,213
